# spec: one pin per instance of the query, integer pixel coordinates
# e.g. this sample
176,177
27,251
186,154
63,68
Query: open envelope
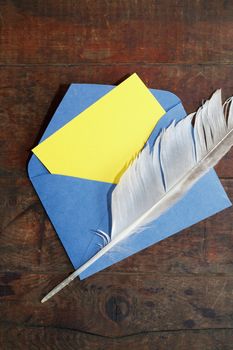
77,207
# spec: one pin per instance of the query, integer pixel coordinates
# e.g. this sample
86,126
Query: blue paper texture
78,207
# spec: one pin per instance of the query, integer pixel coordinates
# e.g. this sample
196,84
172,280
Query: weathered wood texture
108,31
174,295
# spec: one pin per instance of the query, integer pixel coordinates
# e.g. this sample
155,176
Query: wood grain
125,303
108,31
174,295
36,338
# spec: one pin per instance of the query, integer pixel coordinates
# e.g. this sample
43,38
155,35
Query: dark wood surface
177,294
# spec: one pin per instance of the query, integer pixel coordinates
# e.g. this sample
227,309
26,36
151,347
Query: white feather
146,168
157,180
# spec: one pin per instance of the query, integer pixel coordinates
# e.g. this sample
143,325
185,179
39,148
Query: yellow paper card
101,141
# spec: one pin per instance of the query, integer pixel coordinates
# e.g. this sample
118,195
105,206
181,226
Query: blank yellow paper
101,141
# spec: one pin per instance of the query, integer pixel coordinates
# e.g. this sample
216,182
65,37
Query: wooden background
177,294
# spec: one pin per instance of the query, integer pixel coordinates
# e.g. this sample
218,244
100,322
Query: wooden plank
35,338
120,305
28,100
116,32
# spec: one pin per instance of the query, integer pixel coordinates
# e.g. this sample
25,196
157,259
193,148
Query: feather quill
157,179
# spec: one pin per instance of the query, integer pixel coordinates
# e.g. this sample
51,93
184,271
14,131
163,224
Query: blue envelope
78,207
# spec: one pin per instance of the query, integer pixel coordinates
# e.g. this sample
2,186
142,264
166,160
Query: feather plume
157,179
